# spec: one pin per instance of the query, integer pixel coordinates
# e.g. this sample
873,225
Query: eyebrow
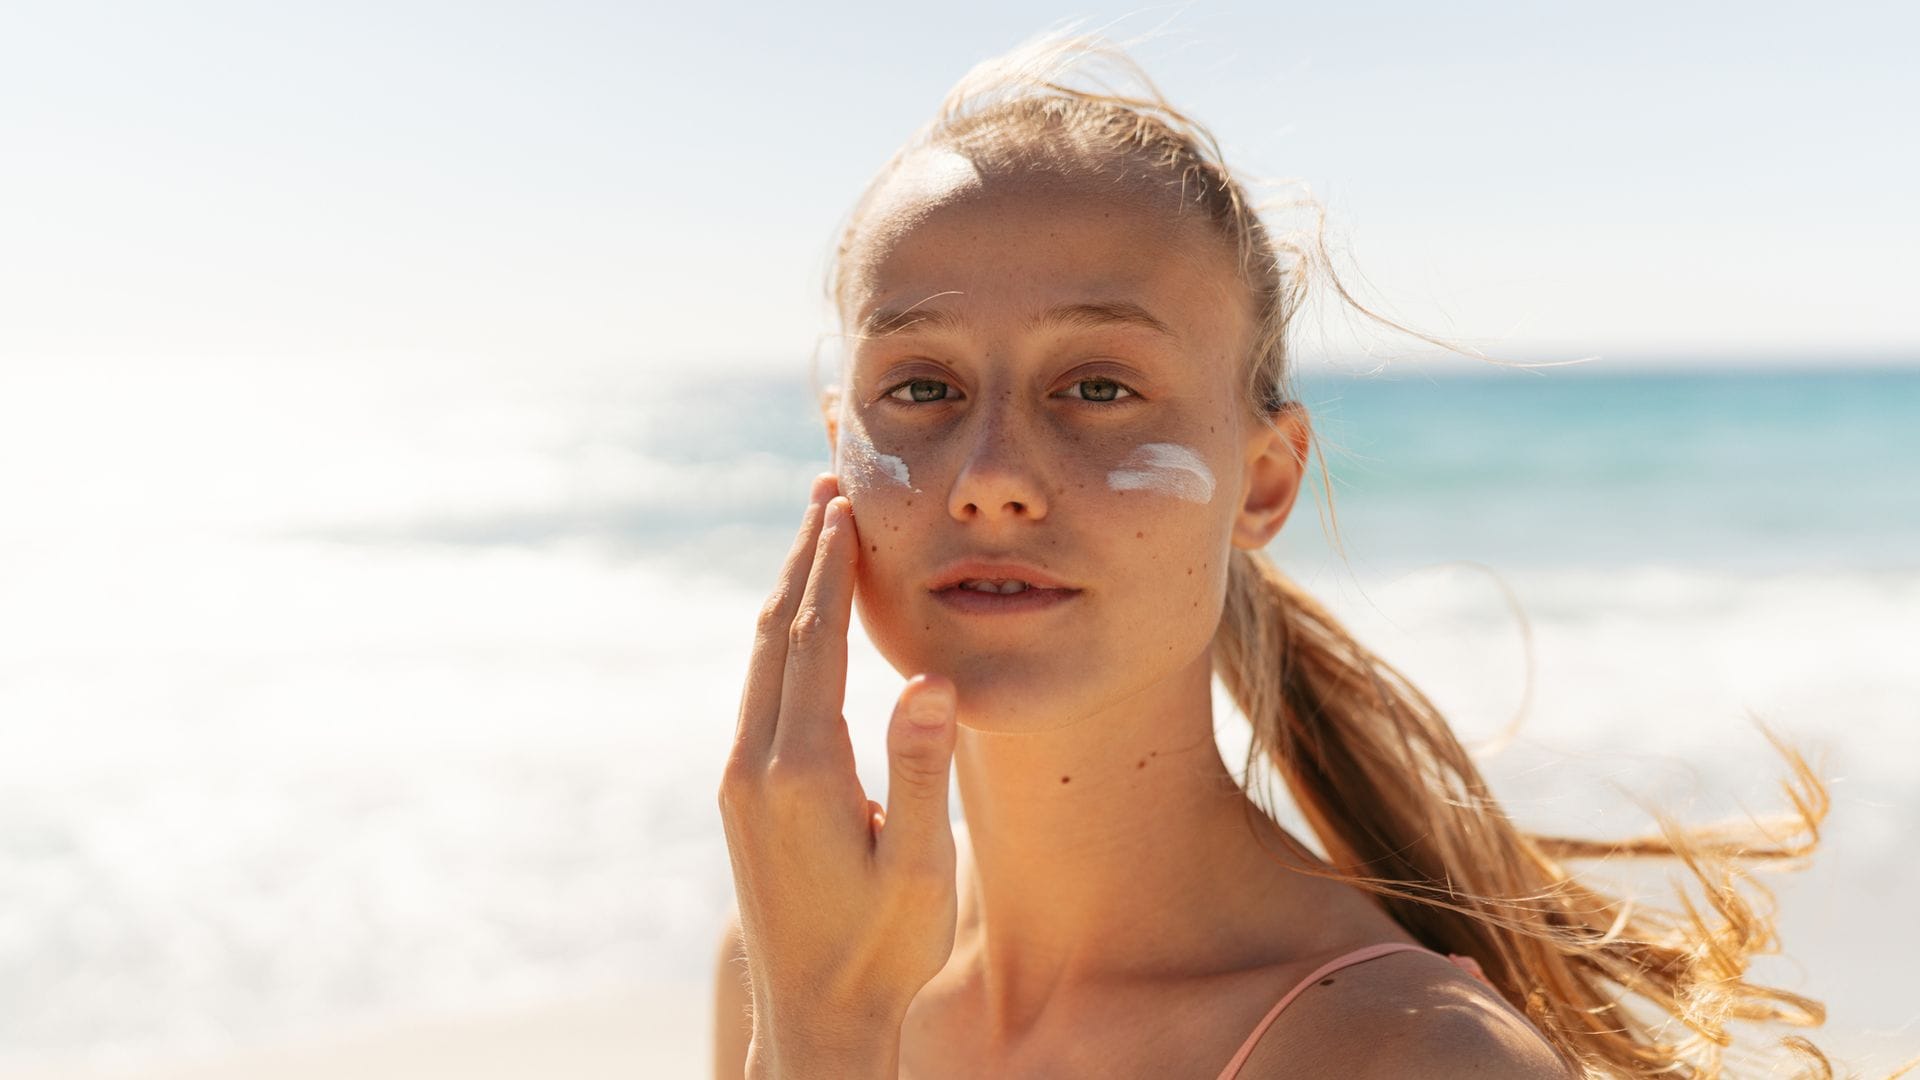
1092,315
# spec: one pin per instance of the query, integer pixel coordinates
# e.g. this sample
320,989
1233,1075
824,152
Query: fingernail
836,509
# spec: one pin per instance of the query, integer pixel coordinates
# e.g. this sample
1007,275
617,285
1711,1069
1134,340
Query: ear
830,413
1276,460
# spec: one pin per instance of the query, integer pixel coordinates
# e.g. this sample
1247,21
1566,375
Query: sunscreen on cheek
1168,468
860,462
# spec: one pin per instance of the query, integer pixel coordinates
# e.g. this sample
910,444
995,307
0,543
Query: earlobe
830,413
1276,464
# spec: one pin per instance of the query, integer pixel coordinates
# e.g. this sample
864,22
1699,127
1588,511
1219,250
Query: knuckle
807,631
737,790
772,616
919,773
743,778
786,777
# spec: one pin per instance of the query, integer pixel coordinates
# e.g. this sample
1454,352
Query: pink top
1365,952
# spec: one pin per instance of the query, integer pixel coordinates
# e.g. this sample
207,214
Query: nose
998,479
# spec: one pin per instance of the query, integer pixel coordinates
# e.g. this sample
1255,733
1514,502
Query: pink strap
1365,952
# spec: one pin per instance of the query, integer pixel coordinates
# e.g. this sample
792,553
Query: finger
816,676
920,741
760,700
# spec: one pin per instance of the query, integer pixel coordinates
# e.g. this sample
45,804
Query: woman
1062,437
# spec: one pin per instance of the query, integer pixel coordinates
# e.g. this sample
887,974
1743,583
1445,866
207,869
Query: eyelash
1118,398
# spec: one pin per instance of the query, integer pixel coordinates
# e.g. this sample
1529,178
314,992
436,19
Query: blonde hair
1397,802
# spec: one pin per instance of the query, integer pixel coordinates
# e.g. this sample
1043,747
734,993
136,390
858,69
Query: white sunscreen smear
864,464
1168,468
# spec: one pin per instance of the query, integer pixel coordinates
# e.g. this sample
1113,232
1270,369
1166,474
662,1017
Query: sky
579,183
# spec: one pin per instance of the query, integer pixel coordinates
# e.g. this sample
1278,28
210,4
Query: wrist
826,1063
820,1051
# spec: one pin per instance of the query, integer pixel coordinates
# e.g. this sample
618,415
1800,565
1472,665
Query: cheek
1173,555
866,470
890,527
1170,522
888,579
888,514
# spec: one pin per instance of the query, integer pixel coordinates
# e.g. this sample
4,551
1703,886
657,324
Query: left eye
921,390
1102,390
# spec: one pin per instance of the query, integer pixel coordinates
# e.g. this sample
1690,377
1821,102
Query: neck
1116,849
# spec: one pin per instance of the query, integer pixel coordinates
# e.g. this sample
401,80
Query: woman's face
1047,374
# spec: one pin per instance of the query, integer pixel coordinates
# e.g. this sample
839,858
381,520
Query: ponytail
1403,812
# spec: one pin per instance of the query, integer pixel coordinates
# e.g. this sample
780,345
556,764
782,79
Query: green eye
920,390
1101,390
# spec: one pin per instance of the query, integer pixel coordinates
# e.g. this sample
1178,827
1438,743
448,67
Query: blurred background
404,409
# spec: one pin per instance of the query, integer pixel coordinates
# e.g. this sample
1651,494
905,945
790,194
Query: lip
971,569
1045,592
972,602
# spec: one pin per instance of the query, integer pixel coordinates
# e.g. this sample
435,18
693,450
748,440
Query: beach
634,1033
395,754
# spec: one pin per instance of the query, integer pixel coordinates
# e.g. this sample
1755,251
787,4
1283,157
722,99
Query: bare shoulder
1484,1041
1408,1014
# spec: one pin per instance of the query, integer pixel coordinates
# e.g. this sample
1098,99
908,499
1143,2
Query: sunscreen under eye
866,465
1168,468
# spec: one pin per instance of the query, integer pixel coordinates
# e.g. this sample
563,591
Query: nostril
974,509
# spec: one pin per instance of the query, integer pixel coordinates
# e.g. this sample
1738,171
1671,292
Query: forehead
941,233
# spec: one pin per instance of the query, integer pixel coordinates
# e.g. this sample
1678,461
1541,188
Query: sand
653,1031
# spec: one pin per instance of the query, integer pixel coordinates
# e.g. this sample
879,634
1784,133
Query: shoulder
1484,1041
1409,1014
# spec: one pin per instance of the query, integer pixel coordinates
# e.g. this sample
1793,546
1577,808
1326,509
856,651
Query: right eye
922,390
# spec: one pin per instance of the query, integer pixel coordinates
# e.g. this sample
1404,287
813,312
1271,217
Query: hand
847,910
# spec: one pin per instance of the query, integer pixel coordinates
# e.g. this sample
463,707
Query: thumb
920,742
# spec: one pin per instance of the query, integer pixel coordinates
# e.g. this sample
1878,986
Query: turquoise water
1756,470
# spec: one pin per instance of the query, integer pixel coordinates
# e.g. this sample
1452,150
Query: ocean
335,693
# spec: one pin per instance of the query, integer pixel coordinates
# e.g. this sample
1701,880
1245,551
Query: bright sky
575,181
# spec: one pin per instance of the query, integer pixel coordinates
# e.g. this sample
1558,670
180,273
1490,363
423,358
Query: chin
1007,696
1005,691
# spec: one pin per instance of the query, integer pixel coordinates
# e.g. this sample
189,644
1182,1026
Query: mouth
1002,586
1001,596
